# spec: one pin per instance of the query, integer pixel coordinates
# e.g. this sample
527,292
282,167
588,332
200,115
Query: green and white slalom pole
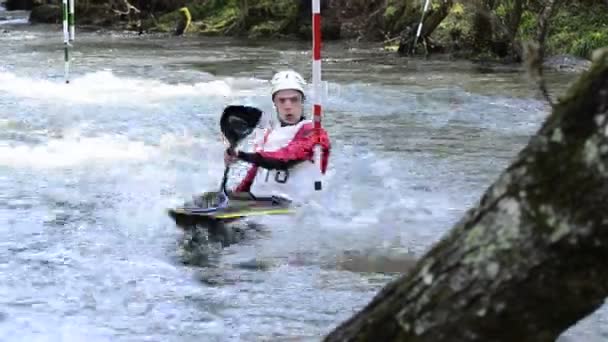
68,34
426,7
71,20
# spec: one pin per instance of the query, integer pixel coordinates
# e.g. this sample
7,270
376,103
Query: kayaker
282,164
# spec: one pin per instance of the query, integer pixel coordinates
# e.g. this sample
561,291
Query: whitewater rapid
87,170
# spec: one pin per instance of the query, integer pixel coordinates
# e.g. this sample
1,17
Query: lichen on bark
528,261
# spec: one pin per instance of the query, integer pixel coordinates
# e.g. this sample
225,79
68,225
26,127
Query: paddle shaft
225,179
226,171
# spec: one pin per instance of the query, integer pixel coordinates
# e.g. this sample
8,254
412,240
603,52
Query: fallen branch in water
533,61
388,39
129,8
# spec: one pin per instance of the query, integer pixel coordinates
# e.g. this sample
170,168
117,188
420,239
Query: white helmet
289,79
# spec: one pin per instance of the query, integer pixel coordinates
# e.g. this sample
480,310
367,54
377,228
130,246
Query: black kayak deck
238,206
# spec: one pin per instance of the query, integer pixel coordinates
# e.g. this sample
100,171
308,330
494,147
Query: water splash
20,21
104,87
74,150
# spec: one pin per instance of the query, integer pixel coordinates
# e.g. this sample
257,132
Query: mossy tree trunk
431,20
242,23
495,26
531,259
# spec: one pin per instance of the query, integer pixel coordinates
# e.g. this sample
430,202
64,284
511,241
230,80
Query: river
88,168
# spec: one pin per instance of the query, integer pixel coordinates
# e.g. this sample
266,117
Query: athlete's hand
230,156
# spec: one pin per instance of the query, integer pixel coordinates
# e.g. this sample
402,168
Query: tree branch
534,52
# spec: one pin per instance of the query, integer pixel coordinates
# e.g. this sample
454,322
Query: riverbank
462,32
92,166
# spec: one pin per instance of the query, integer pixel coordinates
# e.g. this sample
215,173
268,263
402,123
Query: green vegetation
578,29
238,17
486,29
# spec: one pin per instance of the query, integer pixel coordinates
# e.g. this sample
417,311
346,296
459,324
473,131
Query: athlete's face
289,105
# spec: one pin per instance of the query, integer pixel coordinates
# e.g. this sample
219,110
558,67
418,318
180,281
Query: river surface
88,168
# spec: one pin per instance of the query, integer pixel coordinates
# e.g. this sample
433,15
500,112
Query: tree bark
543,22
514,19
535,52
431,20
530,259
497,33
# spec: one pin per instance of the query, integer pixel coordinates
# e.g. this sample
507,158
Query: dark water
87,170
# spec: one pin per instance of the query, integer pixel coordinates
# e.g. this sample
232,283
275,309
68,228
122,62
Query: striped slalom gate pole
426,7
66,38
71,19
316,81
68,34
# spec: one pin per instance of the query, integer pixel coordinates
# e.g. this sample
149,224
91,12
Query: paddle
236,123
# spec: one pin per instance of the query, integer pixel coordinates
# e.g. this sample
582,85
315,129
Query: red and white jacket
283,163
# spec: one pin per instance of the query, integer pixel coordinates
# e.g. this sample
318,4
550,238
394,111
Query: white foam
18,37
20,21
104,87
75,150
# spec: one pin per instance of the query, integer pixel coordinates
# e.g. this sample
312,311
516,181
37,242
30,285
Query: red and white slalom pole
316,82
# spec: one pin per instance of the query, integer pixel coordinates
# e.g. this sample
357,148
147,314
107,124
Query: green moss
391,47
503,8
222,20
456,28
209,8
262,18
265,29
210,17
390,12
167,21
457,9
283,8
396,16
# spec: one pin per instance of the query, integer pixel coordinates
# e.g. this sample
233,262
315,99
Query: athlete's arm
298,150
246,183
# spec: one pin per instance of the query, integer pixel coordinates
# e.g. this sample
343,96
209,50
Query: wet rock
217,278
198,248
46,14
202,245
255,265
567,63
376,262
15,5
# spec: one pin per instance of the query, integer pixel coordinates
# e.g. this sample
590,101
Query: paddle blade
238,122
